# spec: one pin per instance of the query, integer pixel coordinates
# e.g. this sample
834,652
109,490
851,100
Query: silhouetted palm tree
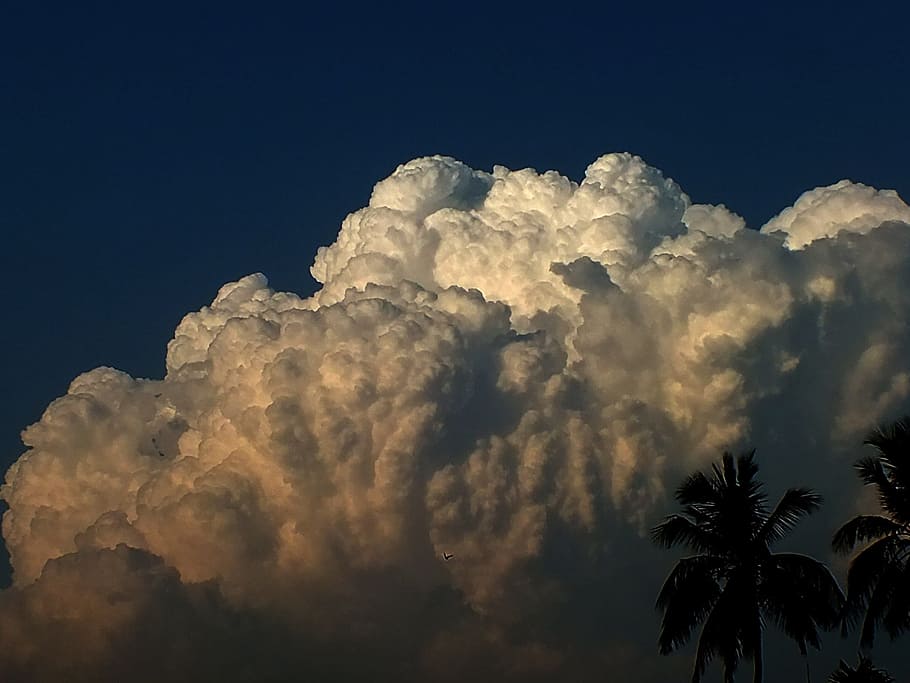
878,581
734,582
864,672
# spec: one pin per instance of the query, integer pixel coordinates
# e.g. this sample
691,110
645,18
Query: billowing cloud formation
510,367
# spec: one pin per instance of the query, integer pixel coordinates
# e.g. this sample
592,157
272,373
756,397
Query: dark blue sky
149,155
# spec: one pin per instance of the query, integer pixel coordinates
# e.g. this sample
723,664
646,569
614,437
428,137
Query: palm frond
893,498
792,507
870,582
872,471
892,441
862,529
868,566
697,489
870,674
747,470
865,672
842,673
878,604
801,596
722,634
750,485
796,625
686,598
679,530
725,475
896,618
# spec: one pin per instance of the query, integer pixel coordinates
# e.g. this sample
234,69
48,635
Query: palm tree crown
878,581
864,672
733,582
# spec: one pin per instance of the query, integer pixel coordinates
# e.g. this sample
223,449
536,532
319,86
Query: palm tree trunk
808,673
759,675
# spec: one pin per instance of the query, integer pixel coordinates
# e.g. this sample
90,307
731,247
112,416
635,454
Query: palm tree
878,581
734,583
864,672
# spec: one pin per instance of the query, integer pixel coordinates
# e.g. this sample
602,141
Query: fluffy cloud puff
511,367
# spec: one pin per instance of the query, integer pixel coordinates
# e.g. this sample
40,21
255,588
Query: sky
149,157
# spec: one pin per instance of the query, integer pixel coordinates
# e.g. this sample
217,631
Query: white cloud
509,366
825,211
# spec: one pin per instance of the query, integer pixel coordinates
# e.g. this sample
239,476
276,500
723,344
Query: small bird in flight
447,556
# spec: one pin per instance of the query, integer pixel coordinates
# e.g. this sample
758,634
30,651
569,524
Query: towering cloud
509,367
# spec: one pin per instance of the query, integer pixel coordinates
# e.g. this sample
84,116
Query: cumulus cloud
511,367
826,211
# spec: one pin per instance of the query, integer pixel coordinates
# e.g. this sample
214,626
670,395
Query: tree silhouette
864,672
878,581
734,583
